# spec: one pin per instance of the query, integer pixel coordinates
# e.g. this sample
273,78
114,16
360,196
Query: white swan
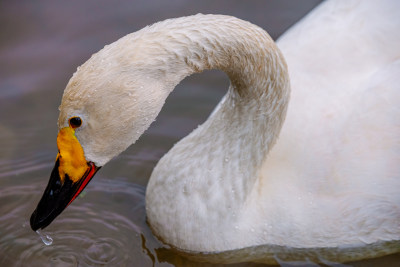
331,180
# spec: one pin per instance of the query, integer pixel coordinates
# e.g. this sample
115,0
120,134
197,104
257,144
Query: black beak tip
35,225
37,222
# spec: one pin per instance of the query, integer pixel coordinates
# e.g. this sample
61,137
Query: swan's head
108,103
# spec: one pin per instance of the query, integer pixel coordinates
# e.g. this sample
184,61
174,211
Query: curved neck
215,168
251,115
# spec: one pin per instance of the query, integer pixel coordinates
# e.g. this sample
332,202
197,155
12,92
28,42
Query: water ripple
106,233
26,164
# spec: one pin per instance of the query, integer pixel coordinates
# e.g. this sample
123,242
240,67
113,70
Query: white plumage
331,179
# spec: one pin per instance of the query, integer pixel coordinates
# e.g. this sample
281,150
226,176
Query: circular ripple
102,228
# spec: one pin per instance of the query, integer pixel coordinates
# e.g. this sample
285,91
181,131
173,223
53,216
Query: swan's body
332,178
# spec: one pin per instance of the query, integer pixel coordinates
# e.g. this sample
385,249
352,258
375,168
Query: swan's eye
75,122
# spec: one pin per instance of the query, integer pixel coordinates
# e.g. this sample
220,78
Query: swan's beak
69,177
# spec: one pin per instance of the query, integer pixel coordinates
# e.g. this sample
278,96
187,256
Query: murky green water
42,43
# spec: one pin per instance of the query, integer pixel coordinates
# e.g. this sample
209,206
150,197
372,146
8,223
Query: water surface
42,43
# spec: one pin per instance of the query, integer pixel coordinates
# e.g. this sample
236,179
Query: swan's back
344,66
339,150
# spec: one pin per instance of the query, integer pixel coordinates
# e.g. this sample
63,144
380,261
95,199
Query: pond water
42,43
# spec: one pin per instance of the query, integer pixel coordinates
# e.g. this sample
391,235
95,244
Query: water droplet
226,159
47,240
236,227
252,230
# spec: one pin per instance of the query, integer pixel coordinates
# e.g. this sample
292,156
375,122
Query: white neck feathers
217,165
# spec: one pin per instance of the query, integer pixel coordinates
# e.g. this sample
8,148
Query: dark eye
75,122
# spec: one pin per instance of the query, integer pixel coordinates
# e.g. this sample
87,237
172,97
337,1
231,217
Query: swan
331,182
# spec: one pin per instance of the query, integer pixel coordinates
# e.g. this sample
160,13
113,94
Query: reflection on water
106,225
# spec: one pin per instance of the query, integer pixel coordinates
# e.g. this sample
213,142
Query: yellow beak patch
71,155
